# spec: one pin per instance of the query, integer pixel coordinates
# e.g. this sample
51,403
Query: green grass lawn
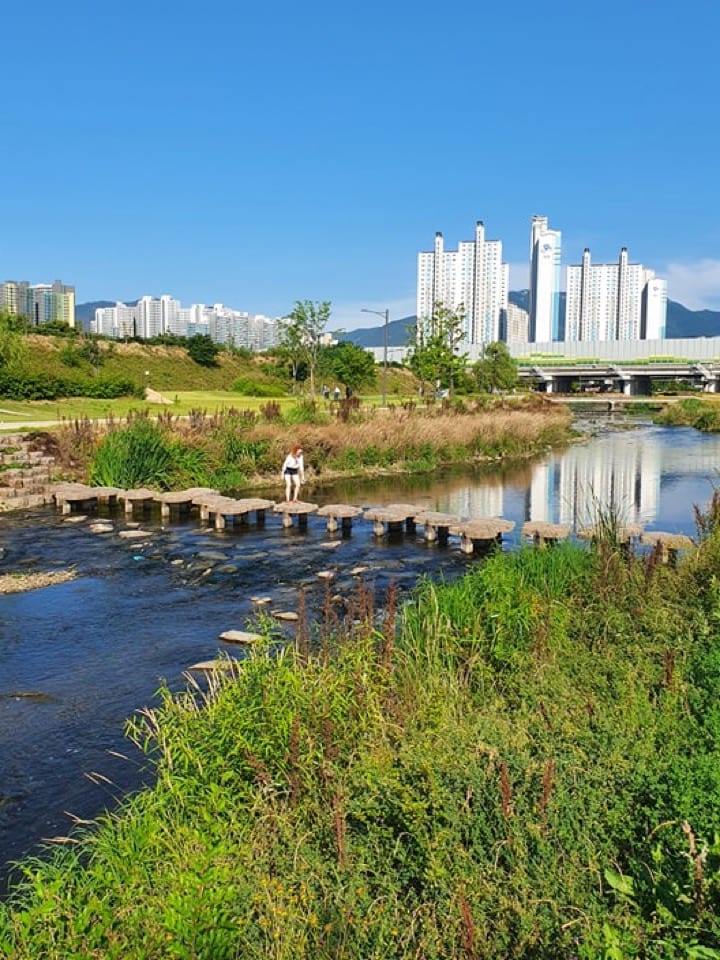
16,414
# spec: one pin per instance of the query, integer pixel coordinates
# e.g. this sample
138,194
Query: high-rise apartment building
614,301
40,302
471,280
151,317
545,264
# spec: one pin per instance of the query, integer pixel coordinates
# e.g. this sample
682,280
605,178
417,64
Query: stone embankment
25,473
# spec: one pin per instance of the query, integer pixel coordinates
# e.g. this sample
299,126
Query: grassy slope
170,371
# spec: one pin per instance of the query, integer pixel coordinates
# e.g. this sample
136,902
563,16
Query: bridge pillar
627,388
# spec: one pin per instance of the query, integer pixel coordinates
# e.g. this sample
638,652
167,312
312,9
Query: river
79,657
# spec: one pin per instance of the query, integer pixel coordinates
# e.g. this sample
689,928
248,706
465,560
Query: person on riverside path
293,470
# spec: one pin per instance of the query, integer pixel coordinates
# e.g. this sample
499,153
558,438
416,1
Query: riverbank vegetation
523,763
691,412
238,450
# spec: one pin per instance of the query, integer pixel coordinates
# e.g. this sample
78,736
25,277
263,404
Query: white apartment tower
545,261
472,279
614,301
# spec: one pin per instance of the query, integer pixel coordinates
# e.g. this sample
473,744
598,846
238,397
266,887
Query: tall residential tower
545,259
471,280
614,301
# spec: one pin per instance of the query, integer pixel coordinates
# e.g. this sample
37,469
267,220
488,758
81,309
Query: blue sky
259,154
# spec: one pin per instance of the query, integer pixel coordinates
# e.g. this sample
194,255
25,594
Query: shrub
136,456
248,387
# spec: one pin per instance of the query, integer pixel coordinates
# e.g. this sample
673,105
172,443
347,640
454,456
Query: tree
496,369
203,350
349,363
301,334
12,345
434,346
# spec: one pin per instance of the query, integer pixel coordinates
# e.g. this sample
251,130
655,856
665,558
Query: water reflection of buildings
616,474
621,472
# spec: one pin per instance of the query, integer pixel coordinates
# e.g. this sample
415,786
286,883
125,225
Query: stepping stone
261,601
326,574
101,528
208,666
134,534
240,636
285,615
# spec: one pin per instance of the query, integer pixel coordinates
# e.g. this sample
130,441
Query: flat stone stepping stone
141,496
134,534
101,528
437,525
207,666
544,533
668,543
356,571
330,544
261,601
107,494
224,507
623,533
181,500
67,495
295,508
285,615
75,518
240,636
480,534
342,512
326,574
409,512
382,518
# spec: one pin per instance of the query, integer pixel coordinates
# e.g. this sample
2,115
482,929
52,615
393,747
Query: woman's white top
295,463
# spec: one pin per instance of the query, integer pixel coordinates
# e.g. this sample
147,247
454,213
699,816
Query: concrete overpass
631,378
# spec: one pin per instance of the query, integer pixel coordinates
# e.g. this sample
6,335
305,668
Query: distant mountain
682,322
398,334
85,312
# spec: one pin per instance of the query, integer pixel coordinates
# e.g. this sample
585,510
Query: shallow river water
76,659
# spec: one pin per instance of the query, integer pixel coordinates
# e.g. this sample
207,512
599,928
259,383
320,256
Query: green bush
248,387
136,456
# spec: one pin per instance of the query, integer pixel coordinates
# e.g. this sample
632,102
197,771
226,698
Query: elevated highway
630,377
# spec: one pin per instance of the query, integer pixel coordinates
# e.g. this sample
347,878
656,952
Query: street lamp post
386,315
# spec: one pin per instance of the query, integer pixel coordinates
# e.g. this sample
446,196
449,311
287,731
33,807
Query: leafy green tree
203,350
12,345
349,363
434,345
496,369
301,336
56,328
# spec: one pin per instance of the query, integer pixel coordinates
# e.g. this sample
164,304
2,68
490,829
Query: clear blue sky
255,154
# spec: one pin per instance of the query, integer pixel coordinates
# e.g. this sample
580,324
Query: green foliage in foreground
528,766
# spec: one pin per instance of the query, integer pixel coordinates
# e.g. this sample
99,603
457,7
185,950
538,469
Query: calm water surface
97,648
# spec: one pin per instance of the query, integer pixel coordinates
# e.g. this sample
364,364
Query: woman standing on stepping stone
294,472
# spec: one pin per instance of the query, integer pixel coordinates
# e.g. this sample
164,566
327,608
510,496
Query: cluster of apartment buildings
154,316
149,317
607,301
38,302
